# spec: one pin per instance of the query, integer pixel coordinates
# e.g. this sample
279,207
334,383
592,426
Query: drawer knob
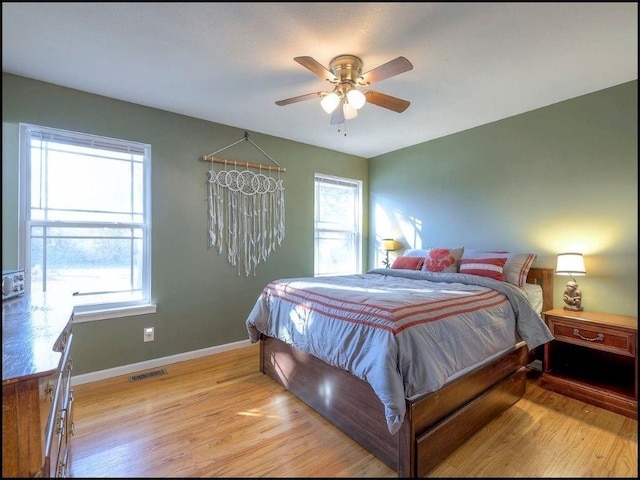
48,390
599,338
59,424
62,469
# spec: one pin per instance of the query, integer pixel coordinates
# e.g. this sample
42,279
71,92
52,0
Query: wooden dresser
37,399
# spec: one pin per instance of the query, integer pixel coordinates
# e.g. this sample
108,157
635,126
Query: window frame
86,312
357,232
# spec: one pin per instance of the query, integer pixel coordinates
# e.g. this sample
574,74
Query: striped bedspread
404,332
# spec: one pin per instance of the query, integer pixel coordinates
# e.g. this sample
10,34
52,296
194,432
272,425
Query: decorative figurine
572,297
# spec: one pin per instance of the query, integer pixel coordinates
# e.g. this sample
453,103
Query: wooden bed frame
434,425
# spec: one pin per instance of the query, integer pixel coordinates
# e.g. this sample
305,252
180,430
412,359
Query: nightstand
593,359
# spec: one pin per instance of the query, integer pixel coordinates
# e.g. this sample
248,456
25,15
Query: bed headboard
544,278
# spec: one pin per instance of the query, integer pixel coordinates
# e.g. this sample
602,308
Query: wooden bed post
406,447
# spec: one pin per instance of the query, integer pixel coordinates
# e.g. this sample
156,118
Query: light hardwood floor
218,416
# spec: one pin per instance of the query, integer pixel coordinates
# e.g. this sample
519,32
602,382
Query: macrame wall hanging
246,209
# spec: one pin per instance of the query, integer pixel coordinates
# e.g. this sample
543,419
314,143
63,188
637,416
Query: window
337,229
85,219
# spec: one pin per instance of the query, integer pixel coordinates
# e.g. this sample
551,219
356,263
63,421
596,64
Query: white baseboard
156,362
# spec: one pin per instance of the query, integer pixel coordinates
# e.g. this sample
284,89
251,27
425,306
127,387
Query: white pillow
415,252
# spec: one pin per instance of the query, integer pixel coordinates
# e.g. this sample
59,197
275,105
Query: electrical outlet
148,334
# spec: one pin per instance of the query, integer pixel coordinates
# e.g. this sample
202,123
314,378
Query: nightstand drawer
593,336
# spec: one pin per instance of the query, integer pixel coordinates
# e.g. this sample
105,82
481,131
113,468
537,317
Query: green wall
201,300
558,179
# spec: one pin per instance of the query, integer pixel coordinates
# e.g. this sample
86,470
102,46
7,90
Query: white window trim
82,313
113,313
359,240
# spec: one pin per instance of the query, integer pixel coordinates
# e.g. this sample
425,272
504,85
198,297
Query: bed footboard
346,401
434,426
441,440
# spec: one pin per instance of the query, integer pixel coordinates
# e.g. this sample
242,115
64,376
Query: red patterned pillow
516,267
443,259
485,267
408,263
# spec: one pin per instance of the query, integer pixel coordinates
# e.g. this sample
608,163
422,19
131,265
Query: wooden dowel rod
207,158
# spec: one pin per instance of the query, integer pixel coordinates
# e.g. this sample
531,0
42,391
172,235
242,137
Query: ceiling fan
345,73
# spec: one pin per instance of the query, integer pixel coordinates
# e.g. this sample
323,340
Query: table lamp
571,264
388,245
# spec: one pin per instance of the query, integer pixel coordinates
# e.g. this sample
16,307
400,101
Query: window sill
114,313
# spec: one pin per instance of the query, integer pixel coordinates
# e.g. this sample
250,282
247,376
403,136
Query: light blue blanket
405,332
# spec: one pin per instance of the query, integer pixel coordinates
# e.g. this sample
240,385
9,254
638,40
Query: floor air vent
142,376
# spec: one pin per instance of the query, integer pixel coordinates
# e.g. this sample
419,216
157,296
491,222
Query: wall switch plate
148,334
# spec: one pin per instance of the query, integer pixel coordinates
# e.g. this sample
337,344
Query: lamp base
386,262
573,309
572,297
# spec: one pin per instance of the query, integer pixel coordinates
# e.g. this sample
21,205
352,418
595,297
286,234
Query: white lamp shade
330,102
388,244
349,111
570,264
356,98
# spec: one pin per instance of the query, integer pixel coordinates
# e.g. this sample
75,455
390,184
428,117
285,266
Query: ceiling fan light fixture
345,74
356,98
330,102
349,111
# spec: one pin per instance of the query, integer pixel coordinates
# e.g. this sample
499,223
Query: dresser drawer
57,432
49,404
37,398
593,335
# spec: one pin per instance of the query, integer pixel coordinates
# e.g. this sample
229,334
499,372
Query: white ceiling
474,63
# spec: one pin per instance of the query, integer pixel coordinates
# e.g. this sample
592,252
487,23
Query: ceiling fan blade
386,101
300,98
394,67
313,65
337,117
